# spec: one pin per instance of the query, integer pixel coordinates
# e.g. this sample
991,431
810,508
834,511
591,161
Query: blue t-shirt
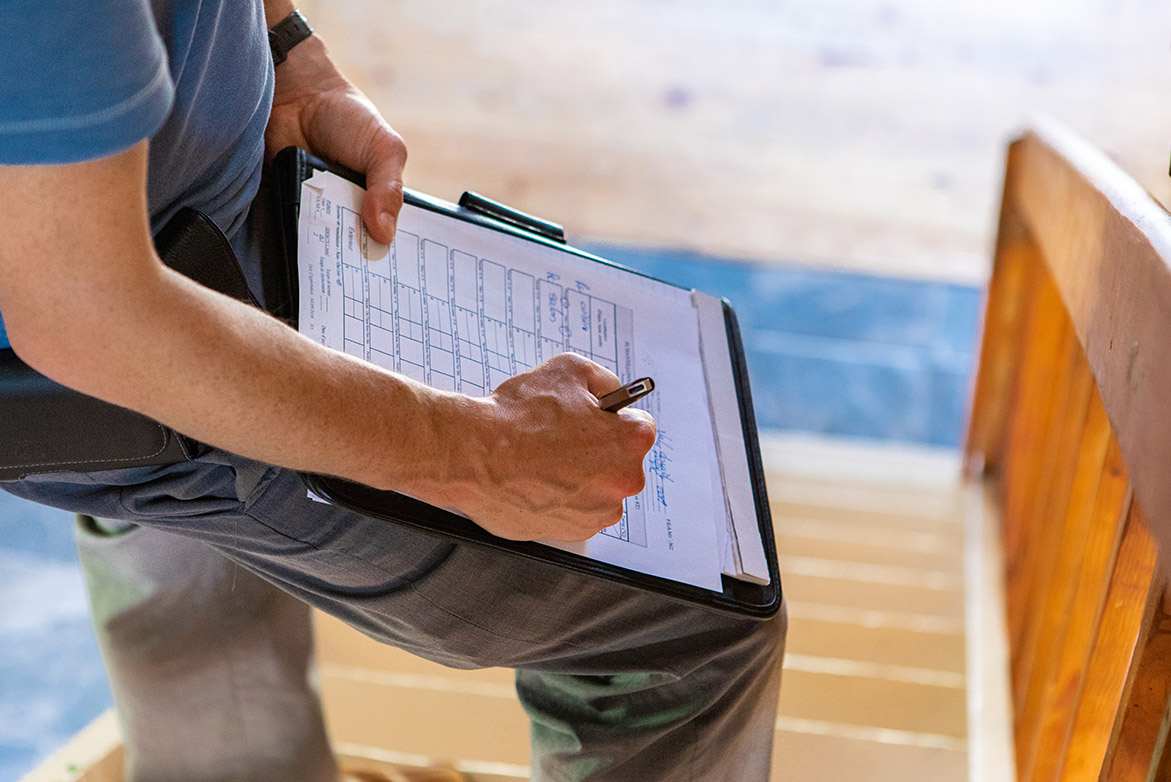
83,80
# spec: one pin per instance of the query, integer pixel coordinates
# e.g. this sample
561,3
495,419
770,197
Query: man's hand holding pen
542,459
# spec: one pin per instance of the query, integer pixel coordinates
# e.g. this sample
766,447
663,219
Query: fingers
635,432
561,465
384,186
644,434
339,123
601,381
315,107
587,528
598,380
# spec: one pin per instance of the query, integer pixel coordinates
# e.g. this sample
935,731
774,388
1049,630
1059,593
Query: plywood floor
865,134
880,683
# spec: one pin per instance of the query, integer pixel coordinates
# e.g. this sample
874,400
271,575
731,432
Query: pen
628,394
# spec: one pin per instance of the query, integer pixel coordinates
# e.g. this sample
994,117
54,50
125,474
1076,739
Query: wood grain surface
862,134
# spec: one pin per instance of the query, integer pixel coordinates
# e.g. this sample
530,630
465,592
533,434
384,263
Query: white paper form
744,555
463,307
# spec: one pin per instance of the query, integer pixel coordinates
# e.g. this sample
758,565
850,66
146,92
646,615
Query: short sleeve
79,80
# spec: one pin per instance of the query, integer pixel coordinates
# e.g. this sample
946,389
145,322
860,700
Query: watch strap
286,34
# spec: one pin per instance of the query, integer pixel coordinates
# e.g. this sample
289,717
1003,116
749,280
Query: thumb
384,191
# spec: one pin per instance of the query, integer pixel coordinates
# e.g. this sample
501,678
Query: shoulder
92,79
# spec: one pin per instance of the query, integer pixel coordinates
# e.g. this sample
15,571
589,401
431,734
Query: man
112,117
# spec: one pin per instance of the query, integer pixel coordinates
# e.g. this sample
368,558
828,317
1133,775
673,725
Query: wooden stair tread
842,754
941,651
447,724
851,593
879,685
875,676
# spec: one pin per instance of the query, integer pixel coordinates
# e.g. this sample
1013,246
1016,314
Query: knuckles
571,364
390,144
633,482
621,478
582,369
642,432
614,517
607,519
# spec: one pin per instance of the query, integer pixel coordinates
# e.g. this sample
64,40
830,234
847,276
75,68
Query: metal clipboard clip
474,202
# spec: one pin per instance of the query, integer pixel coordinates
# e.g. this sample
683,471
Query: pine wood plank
840,754
372,759
758,130
1141,733
850,529
1025,469
882,618
891,467
1061,462
869,547
908,510
450,724
1109,662
874,702
1016,264
93,755
1111,508
861,595
1052,616
1103,245
1087,215
888,645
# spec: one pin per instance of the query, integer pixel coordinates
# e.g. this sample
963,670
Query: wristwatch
286,34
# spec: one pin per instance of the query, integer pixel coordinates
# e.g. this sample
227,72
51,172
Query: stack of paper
463,307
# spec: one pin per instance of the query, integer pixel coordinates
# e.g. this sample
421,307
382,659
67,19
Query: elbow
71,356
41,349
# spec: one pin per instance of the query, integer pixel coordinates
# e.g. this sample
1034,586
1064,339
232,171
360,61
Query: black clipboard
293,166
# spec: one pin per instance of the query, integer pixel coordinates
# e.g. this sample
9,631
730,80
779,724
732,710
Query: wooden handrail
1107,245
1071,426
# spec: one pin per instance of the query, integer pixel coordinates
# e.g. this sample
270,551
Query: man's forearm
231,376
87,302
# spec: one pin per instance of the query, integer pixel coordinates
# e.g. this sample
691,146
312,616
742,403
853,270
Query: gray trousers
210,665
